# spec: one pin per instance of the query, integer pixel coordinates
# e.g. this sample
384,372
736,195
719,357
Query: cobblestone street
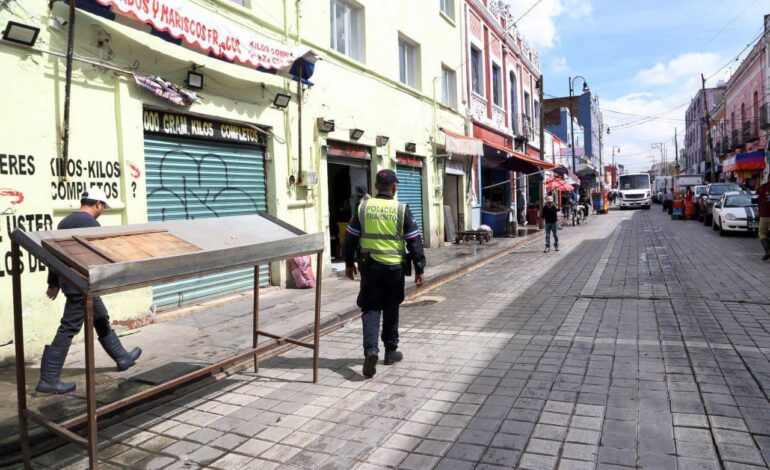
644,343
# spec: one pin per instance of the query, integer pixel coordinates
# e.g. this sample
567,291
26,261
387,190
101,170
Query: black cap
386,177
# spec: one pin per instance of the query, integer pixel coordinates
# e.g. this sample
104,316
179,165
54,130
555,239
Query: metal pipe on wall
68,89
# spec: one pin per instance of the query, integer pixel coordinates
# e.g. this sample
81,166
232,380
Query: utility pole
710,147
676,152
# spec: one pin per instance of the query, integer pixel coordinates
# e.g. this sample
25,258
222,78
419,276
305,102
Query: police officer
384,228
92,204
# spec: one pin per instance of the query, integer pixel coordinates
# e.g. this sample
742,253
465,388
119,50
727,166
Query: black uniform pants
382,291
74,316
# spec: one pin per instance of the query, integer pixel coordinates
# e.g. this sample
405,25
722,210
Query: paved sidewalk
591,357
174,347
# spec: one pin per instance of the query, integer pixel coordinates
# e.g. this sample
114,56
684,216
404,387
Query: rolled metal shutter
192,179
410,191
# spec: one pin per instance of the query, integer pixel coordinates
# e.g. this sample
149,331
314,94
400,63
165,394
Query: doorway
452,200
344,181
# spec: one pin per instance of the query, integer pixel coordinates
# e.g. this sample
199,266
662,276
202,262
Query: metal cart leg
256,318
21,376
93,453
317,328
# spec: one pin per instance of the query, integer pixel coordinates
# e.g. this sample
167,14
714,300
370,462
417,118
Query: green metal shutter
410,190
191,179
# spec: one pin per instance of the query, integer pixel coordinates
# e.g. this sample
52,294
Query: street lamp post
572,115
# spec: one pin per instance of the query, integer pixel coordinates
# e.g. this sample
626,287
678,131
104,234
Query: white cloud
666,92
538,26
683,67
560,65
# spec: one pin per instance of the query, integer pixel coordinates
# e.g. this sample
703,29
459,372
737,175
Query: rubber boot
391,357
50,371
123,358
370,365
766,246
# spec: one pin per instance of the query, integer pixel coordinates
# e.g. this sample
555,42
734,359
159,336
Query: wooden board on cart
82,252
469,235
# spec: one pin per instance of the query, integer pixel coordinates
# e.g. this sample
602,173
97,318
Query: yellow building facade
388,80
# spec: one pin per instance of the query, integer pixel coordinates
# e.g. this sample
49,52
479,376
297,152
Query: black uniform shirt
77,219
411,235
550,214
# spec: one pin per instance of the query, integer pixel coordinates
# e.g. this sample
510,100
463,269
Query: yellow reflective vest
382,230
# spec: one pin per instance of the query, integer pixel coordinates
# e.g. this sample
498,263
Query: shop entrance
346,180
452,201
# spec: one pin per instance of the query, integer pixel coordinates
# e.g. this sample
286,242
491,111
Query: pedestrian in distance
92,204
764,218
550,214
382,229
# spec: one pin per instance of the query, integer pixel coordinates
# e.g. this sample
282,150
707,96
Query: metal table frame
21,239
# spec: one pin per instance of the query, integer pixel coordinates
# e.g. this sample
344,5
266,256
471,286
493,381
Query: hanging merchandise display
166,90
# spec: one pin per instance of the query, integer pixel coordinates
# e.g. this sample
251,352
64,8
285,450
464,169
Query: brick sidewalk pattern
642,344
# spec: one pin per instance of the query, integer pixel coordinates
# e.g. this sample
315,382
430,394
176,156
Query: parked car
698,191
713,193
735,212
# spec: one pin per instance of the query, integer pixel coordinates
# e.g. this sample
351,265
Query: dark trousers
382,291
74,316
551,227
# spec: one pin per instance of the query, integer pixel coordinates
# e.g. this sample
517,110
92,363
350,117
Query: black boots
766,246
122,358
370,365
391,357
50,371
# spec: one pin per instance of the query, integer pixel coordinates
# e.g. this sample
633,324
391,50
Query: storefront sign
343,149
455,167
185,125
409,160
210,32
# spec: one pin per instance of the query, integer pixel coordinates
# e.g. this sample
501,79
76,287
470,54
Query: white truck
634,190
682,182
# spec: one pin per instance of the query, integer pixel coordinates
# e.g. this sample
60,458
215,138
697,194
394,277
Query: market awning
180,21
516,161
558,185
459,144
751,161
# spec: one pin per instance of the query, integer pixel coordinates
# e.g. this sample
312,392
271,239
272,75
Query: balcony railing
764,117
750,133
527,129
735,139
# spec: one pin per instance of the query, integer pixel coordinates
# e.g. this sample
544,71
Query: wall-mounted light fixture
194,80
411,147
356,134
281,100
324,126
382,140
21,33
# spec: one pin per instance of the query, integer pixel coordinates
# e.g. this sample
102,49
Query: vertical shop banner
201,28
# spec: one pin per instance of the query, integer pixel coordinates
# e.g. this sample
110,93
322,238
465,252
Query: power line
750,44
731,22
527,12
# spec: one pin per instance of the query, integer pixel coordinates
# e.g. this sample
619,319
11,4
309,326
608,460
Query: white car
735,212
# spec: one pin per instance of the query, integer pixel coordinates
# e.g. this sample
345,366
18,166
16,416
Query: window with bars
408,62
477,71
347,29
448,87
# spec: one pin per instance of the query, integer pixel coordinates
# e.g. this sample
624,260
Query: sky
641,57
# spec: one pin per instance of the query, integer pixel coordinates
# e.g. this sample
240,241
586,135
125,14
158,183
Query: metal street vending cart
106,260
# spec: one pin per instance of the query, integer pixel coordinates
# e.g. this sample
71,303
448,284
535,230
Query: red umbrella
558,185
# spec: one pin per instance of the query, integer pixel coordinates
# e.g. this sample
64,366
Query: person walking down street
92,204
382,229
550,214
764,218
521,207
